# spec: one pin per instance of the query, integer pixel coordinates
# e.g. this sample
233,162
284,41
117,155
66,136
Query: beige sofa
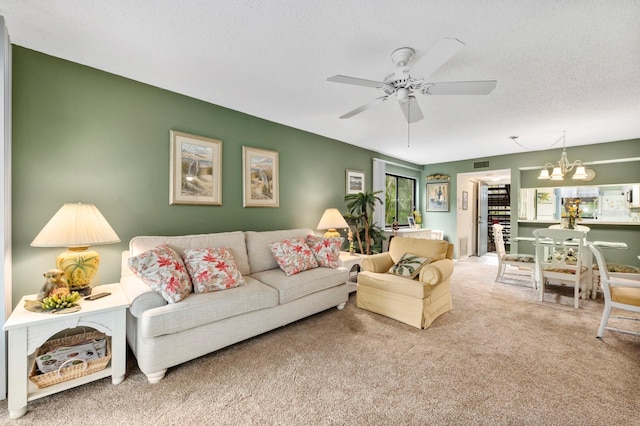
163,335
418,301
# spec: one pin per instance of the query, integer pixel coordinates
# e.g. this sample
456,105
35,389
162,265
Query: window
400,199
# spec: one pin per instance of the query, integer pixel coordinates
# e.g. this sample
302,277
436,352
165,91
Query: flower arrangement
418,217
572,214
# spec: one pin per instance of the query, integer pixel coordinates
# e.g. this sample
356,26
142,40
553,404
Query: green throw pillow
409,265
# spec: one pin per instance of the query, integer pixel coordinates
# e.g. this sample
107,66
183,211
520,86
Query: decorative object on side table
77,227
331,221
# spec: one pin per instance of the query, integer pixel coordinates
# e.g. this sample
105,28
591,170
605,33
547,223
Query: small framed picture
412,222
438,197
260,180
465,200
355,181
195,170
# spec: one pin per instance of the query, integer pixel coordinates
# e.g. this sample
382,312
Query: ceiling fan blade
436,56
364,107
460,88
411,110
356,81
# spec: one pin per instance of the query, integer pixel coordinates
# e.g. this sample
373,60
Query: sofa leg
156,376
341,306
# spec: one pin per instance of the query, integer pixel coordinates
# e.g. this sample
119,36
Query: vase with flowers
571,214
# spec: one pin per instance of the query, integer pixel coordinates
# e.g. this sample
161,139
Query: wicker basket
74,371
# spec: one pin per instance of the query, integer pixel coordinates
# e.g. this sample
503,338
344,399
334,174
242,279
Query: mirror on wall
603,203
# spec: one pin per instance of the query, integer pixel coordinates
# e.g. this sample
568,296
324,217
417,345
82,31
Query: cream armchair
416,301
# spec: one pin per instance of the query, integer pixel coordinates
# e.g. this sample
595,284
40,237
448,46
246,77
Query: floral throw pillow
409,265
325,250
162,269
212,269
293,256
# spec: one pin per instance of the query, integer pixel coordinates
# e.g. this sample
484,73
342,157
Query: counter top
584,222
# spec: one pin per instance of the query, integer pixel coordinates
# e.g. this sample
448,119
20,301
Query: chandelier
559,170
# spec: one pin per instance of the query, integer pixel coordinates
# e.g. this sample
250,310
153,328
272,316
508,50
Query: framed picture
412,222
260,180
355,181
438,197
195,170
465,200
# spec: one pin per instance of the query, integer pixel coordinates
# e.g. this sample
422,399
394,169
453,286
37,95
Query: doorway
473,225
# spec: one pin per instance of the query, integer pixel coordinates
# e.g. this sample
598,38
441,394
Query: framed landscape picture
260,181
195,170
438,197
355,181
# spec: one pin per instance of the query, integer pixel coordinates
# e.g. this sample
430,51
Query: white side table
29,330
349,261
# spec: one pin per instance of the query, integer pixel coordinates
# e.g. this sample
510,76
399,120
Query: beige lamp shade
544,174
77,226
331,221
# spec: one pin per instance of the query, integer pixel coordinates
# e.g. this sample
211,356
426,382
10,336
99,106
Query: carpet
500,357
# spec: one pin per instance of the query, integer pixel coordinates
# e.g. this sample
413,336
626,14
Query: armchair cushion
409,265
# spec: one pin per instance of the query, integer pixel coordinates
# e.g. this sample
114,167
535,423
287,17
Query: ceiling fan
401,85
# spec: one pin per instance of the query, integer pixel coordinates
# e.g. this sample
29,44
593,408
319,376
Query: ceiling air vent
480,164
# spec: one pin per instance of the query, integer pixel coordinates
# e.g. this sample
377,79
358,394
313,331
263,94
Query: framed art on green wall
260,181
355,181
195,170
438,197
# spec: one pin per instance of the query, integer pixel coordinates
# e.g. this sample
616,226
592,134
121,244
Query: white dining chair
618,292
559,260
520,261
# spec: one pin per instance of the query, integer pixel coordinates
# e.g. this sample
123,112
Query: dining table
592,284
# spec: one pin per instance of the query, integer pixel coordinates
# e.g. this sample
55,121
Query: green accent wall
83,135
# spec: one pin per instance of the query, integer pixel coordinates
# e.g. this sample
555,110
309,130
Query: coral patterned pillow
325,250
293,256
162,269
212,269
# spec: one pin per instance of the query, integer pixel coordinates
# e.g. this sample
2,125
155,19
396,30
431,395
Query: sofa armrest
436,272
140,296
380,262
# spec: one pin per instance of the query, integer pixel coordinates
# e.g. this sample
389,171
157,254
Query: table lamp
77,226
330,221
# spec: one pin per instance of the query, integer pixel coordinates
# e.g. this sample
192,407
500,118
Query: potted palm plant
361,207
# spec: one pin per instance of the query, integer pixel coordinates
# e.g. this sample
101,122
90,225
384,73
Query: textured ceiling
560,65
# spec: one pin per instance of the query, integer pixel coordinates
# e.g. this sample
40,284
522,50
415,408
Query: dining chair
521,261
620,293
559,259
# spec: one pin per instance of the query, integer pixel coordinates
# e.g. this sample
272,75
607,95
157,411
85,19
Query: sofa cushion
304,283
409,265
260,256
206,308
395,284
212,269
232,240
163,270
293,255
325,250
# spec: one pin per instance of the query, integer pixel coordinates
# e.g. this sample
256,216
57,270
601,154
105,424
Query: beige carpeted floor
500,357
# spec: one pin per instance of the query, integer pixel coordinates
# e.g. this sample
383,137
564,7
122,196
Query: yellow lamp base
80,266
332,233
